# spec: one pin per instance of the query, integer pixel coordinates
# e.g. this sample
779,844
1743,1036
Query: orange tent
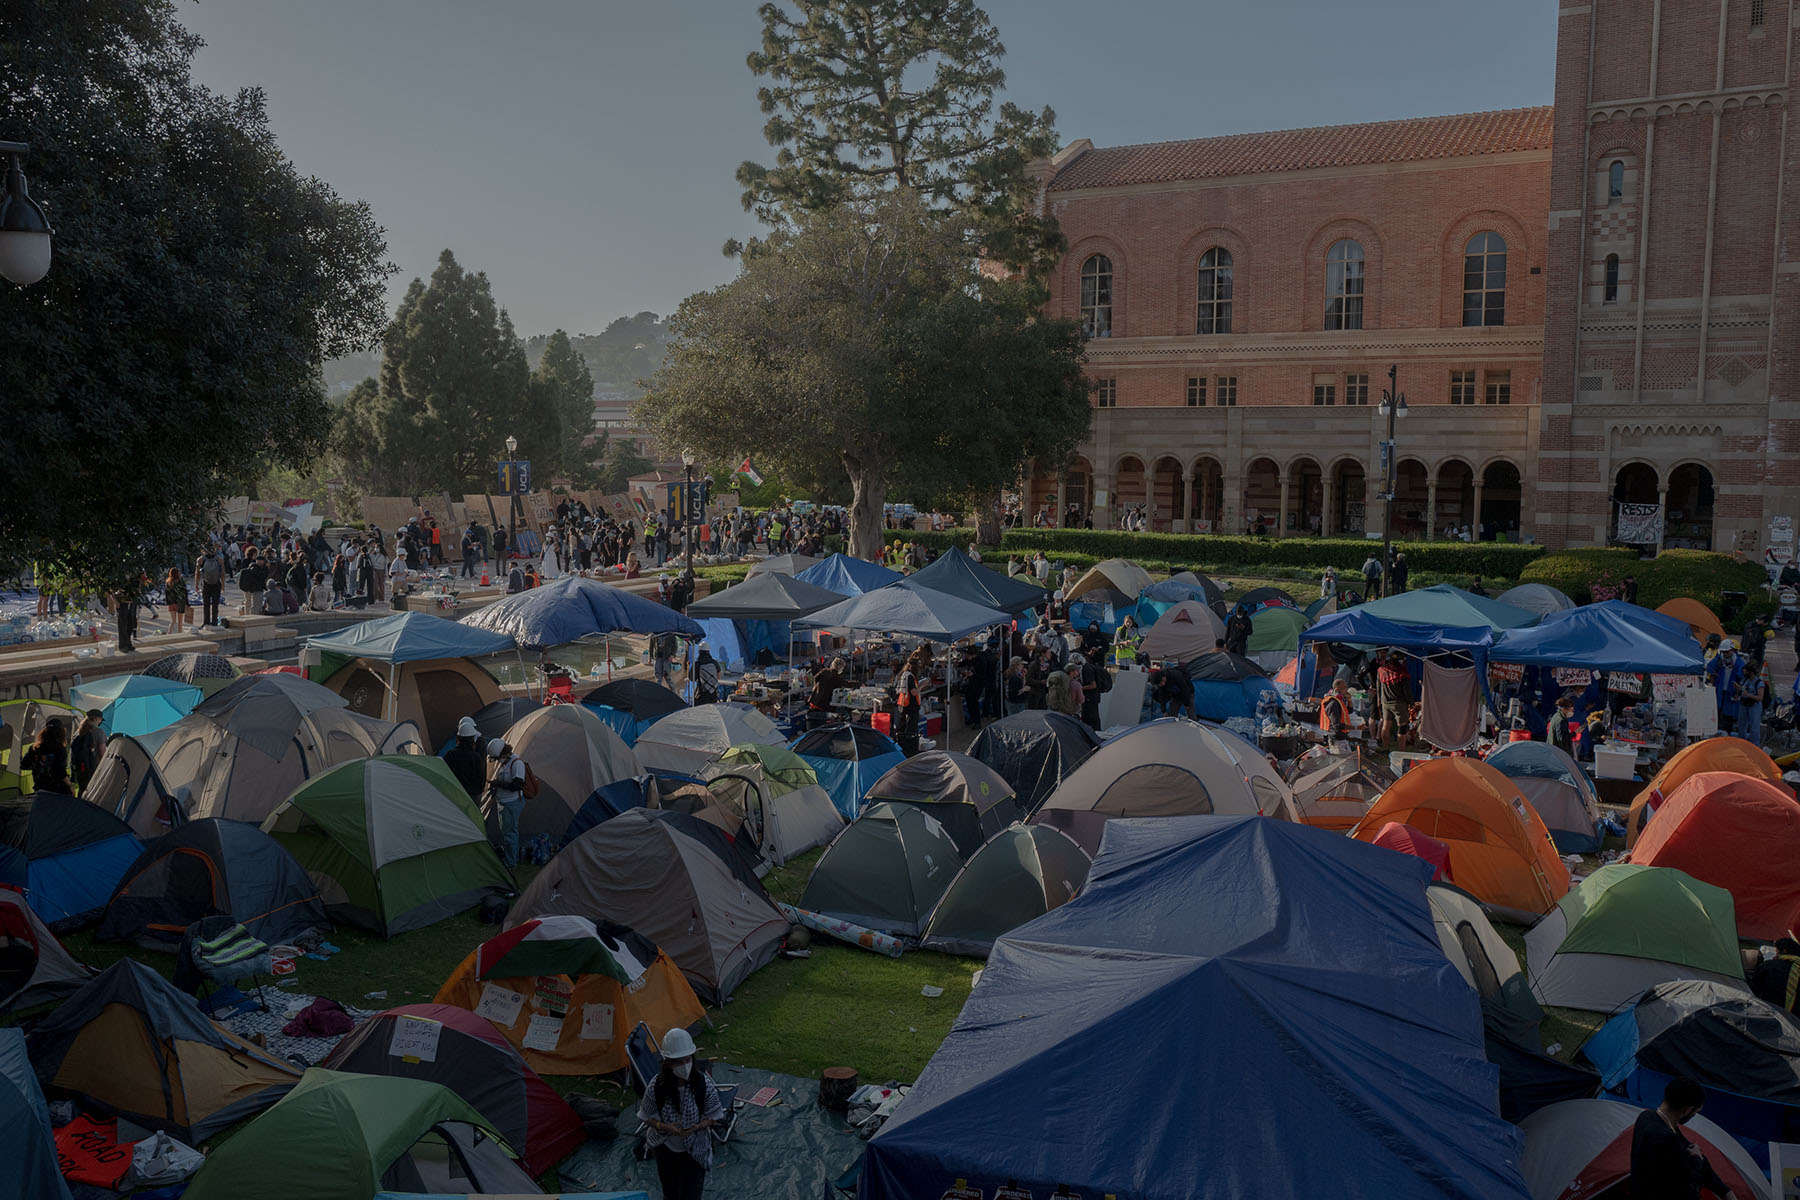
1734,755
1700,619
1500,851
1738,833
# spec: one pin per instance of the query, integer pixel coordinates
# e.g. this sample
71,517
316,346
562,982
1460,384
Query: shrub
1598,574
1180,551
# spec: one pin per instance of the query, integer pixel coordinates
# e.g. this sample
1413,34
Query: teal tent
136,704
1446,605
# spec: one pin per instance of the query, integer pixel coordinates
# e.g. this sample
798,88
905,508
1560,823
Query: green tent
1276,629
393,842
778,763
1023,873
886,871
338,1136
1628,927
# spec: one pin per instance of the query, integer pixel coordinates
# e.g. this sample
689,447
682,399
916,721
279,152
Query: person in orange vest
1334,711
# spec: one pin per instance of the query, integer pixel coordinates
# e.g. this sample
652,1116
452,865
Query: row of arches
1305,496
1685,493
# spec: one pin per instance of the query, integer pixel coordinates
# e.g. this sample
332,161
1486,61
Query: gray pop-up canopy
908,608
765,597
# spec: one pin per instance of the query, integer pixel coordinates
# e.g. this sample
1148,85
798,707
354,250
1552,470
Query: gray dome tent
1539,598
886,871
968,797
1022,873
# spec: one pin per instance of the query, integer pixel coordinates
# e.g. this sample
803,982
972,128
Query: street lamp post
687,510
1393,407
24,229
512,495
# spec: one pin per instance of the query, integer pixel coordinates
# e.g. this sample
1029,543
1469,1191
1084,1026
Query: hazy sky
581,151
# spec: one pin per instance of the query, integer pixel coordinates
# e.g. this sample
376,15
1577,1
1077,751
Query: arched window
1215,292
1096,297
1484,280
1612,279
1615,181
1344,286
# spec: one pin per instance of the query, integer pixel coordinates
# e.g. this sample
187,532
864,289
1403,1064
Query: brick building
1546,284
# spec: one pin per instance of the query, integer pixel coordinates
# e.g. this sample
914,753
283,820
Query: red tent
472,1058
1738,833
1408,840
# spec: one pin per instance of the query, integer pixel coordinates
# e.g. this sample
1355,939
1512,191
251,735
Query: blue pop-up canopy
1446,605
909,608
848,576
1602,639
1359,627
559,613
1309,1030
411,637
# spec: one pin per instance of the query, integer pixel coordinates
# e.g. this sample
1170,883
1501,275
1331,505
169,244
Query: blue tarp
725,642
136,704
559,613
1602,639
956,574
848,576
1307,1038
907,608
1359,627
1450,606
411,637
27,1145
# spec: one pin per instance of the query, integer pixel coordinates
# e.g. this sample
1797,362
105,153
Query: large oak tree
866,340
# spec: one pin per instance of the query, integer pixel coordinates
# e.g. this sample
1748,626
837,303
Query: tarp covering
1600,639
576,607
956,574
848,576
765,597
1316,959
411,637
908,608
131,1044
1033,751
1738,833
1448,606
27,1145
1627,927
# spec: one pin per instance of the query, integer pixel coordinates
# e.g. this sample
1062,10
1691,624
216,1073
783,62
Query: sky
581,152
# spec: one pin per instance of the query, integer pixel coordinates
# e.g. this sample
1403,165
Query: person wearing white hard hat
506,785
464,758
679,1109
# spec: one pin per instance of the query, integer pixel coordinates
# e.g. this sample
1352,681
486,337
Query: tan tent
127,784
241,766
572,752
686,741
1184,633
784,819
674,879
1334,792
1115,573
433,695
1167,768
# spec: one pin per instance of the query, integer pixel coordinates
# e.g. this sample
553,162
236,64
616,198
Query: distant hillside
629,349
342,374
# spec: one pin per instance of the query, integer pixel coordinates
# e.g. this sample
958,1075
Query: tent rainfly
968,797
1034,751
573,753
686,741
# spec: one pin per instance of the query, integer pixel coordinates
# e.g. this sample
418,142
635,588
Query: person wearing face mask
679,1109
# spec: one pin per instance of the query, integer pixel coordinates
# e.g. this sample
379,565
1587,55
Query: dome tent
686,741
1557,788
27,1142
1335,791
74,854
127,784
34,966
847,759
674,879
631,706
394,843
1628,927
137,704
886,871
1184,632
593,983
1730,754
1116,574
572,752
1737,833
1582,1148
208,672
476,1062
966,795
1539,598
1228,685
1021,873
20,721
1034,751
208,868
781,817
1500,851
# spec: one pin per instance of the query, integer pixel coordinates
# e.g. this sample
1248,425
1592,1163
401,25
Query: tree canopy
866,341
173,353
875,95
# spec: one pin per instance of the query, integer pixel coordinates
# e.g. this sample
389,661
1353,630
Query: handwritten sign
415,1039
542,1033
1625,682
500,1005
1573,677
597,1022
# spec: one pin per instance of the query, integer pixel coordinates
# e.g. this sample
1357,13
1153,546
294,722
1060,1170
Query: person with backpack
47,758
510,784
209,572
252,579
705,676
1371,573
464,758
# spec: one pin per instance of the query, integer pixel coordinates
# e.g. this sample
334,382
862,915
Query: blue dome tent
848,759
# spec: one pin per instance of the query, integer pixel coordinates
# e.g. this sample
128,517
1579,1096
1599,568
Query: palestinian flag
748,470
562,945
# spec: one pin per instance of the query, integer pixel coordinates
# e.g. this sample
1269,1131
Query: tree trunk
987,519
868,496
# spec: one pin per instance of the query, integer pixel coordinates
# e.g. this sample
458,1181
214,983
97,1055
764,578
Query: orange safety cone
484,579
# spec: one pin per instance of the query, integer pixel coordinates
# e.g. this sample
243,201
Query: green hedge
1586,575
1490,560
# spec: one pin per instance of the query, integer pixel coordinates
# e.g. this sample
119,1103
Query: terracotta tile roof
1421,138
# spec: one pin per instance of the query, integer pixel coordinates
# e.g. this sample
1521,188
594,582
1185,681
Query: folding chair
646,1063
217,950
